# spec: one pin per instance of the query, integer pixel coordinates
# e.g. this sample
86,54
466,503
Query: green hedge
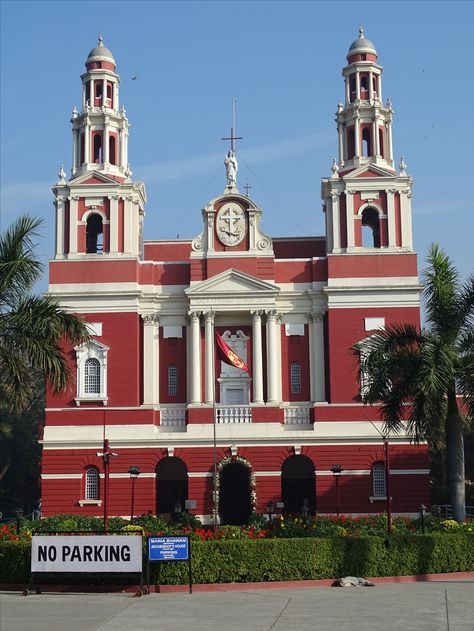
283,559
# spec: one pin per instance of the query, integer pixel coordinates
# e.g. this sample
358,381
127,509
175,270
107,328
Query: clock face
230,224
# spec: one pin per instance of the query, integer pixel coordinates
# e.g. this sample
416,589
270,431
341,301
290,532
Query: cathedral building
292,429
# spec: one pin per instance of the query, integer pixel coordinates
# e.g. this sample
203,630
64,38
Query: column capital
271,314
257,314
194,316
315,316
150,318
209,315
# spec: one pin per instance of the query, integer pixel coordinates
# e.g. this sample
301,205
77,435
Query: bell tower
367,204
99,210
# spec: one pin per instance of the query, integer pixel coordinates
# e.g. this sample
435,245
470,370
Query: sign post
164,549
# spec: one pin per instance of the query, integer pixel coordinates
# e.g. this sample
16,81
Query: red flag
227,355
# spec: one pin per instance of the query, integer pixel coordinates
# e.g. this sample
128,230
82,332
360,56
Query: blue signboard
168,548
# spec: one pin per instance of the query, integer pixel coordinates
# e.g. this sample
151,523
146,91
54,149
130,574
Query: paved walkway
445,605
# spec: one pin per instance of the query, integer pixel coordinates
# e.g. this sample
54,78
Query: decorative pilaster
336,223
151,350
59,203
392,236
318,385
350,219
73,224
195,358
257,363
272,357
113,223
209,381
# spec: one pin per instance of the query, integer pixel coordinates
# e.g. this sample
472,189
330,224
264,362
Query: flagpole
214,490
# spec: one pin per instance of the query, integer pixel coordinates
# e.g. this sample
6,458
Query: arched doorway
298,484
235,503
171,485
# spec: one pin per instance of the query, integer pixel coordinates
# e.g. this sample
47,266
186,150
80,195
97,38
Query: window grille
378,478
92,376
295,376
172,380
92,484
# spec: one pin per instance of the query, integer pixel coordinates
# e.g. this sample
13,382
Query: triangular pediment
233,282
369,170
92,177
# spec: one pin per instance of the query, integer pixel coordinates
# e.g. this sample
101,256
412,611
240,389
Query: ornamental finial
334,168
403,167
101,40
361,31
62,175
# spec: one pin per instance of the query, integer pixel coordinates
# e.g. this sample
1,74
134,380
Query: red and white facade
292,308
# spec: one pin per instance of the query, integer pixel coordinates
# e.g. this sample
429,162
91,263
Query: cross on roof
247,186
233,129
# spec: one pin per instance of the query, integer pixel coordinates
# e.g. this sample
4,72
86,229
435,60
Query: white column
257,363
371,87
209,385
113,225
59,203
105,148
104,92
336,222
348,90
392,235
405,219
357,135
195,360
375,143
73,224
87,141
318,375
272,357
151,349
389,141
357,77
350,218
127,224
341,143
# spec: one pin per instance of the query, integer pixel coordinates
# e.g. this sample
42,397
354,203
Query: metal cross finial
247,186
233,129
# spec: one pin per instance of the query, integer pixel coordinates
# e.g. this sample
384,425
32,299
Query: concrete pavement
445,605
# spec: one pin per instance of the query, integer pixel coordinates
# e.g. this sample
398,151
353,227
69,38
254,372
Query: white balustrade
297,416
234,414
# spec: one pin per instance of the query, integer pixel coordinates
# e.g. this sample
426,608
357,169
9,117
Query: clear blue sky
282,61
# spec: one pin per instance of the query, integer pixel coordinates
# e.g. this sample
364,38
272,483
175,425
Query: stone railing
173,419
297,416
234,414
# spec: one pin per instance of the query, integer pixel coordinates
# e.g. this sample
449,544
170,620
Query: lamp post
134,472
422,510
270,511
336,471
387,485
106,455
18,514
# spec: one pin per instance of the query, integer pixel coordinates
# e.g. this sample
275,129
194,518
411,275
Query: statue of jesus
231,167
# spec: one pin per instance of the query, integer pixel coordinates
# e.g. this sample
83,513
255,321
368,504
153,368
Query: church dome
100,53
361,45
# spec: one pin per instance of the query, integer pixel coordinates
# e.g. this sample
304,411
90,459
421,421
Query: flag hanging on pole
227,355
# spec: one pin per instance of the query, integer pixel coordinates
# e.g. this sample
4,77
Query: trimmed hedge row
282,560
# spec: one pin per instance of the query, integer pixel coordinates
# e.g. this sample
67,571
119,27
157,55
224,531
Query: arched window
172,380
91,484
97,148
363,84
88,92
370,228
112,158
378,480
91,361
98,90
94,234
352,88
92,376
350,144
381,148
366,142
295,377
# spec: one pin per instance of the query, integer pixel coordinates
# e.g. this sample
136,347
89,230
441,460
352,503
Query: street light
336,471
18,514
270,510
422,510
106,455
134,472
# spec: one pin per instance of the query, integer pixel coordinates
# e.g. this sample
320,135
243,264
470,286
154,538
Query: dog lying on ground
353,581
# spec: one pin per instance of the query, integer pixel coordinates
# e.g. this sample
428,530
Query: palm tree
33,330
424,379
